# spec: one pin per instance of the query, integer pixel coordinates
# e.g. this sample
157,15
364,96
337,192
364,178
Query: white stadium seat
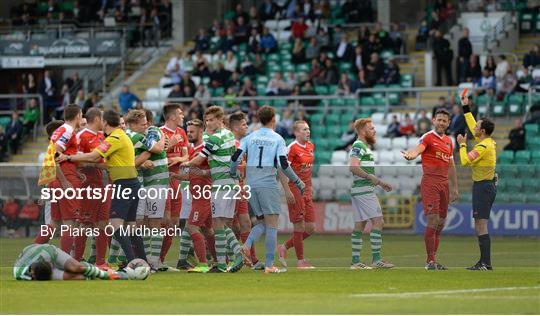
412,142
327,183
164,92
164,81
383,143
153,105
315,183
388,171
378,118
152,94
341,171
283,24
196,80
343,184
399,143
376,157
536,73
326,171
380,130
386,158
339,157
271,24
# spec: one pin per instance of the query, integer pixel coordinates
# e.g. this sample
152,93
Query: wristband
68,157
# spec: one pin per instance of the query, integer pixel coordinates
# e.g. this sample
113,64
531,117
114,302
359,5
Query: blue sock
270,245
255,234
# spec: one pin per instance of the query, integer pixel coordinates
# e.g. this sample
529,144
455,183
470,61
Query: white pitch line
413,294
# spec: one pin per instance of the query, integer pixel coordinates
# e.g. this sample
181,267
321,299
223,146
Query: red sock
43,239
306,235
199,246
298,240
244,236
102,243
80,245
66,242
429,239
289,243
211,240
165,246
437,239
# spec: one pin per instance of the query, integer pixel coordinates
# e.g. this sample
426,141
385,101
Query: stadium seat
325,194
386,158
327,183
376,157
378,118
318,130
152,94
343,183
325,171
515,104
341,171
321,143
367,101
165,81
400,143
322,90
506,171
498,108
535,159
412,141
303,68
383,143
388,171
532,129
154,106
407,80
522,157
513,185
506,157
332,119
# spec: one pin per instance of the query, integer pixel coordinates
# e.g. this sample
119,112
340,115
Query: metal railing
493,34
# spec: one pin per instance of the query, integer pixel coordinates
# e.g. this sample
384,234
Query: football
138,269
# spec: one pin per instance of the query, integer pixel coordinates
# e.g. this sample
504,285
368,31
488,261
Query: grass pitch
512,288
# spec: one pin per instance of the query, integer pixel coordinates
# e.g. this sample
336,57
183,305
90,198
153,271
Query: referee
482,160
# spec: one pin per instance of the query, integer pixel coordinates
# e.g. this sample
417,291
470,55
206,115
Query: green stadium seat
288,67
518,198
288,140
318,130
345,67
347,116
535,97
522,157
533,198
506,157
526,22
218,92
285,46
279,103
351,102
515,104
513,185
522,170
316,119
42,7
532,129
507,171
499,108
262,79
273,68
502,197
482,109
335,142
285,56
407,80
531,185
367,101
387,54
535,160
337,102
532,142
4,121
332,89
303,67
322,143
67,6
483,99
466,197
322,90
272,57
332,119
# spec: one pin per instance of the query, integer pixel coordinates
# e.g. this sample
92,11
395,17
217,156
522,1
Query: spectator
90,102
473,72
217,58
186,64
247,90
323,39
360,81
267,10
532,59
48,92
276,86
231,63
350,11
259,64
516,137
29,84
313,48
126,99
315,70
176,92
407,128
422,35
202,42
247,68
65,100
30,116
309,91
330,73
234,82
80,98
230,100
344,50
241,32
372,45
443,58
74,83
457,124
391,73
202,65
216,42
442,105
28,215
375,70
487,81
393,128
187,81
255,124
154,32
285,125
268,42
252,109
14,131
3,145
11,211
189,91
299,28
298,52
490,64
229,42
464,54
423,124
502,67
344,85
358,58
396,38
239,12
290,81
524,81
218,78
383,36
348,137
508,84
254,20
254,41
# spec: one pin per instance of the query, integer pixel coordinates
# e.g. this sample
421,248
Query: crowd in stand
18,216
149,19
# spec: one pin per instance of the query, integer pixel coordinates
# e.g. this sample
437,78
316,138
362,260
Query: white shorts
366,207
223,204
153,207
187,200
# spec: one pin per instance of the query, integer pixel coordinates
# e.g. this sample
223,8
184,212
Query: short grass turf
512,288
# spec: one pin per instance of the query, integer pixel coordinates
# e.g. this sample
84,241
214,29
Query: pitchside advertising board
505,219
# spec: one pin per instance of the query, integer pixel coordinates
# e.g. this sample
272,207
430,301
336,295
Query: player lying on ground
47,262
439,182
364,201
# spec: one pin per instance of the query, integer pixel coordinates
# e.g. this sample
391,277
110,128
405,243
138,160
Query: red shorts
435,196
201,214
64,208
174,201
95,210
302,209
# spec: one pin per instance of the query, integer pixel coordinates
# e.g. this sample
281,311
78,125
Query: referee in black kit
482,160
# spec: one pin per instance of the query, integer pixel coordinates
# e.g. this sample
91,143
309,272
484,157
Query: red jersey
88,140
65,138
176,150
204,183
11,210
301,158
437,155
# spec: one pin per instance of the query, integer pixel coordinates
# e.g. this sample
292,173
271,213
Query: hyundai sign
505,219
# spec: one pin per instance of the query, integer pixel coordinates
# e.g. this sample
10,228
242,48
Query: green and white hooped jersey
139,144
363,153
31,254
219,149
159,175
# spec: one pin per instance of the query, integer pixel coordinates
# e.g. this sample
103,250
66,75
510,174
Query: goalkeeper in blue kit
266,150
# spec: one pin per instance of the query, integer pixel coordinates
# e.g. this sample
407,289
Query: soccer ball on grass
137,269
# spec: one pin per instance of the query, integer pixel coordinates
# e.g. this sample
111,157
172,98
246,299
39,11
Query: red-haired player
438,166
176,153
301,211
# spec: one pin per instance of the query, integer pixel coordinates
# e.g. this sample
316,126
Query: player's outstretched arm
356,169
92,156
413,153
289,173
235,162
469,118
142,158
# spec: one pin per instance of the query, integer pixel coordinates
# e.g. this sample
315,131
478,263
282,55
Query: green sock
93,272
221,248
113,251
185,244
92,258
155,245
356,242
376,243
147,241
233,246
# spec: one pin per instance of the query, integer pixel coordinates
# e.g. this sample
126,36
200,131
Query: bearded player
439,182
301,212
176,153
365,203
